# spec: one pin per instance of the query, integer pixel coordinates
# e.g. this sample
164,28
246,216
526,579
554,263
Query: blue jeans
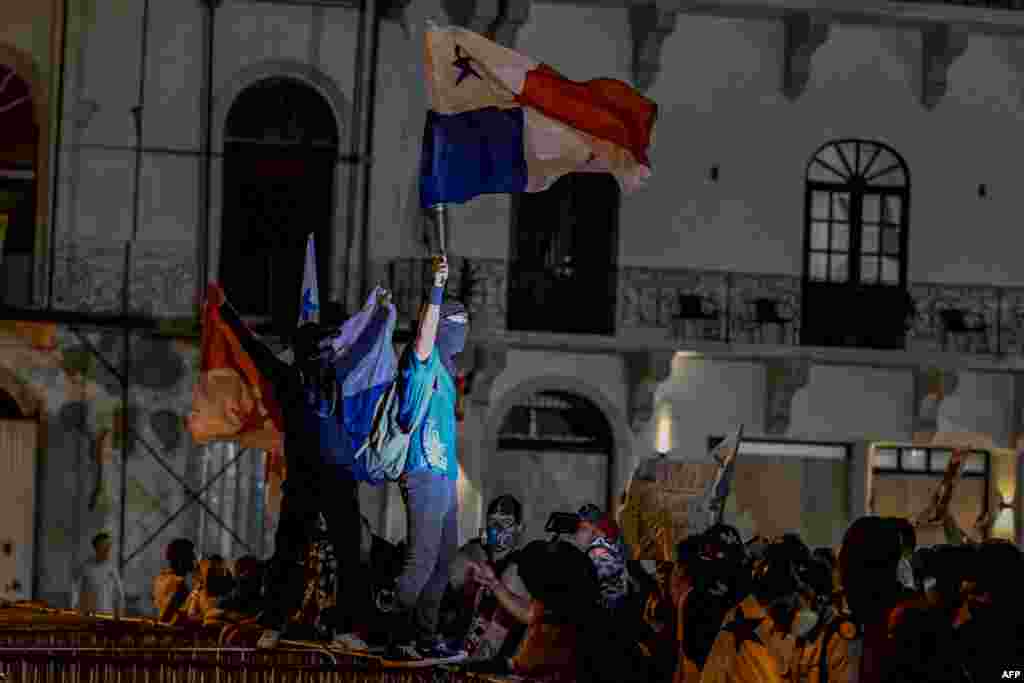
432,510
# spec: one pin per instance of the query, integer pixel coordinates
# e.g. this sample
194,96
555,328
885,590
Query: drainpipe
206,170
56,157
126,369
355,150
367,159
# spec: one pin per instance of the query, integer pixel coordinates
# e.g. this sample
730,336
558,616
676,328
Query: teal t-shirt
432,445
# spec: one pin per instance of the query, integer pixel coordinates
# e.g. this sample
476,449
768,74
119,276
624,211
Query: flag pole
440,212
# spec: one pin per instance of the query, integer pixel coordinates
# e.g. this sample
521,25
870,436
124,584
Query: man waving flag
502,122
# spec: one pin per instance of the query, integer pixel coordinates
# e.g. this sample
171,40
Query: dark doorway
564,251
19,138
855,247
280,154
556,452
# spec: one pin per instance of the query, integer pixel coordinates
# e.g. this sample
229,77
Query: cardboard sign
663,506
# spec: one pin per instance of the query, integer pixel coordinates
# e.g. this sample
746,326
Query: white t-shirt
97,587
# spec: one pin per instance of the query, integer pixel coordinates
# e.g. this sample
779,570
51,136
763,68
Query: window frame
929,471
856,182
847,447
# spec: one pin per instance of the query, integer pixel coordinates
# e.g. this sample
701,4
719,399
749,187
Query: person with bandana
428,483
321,470
488,621
600,538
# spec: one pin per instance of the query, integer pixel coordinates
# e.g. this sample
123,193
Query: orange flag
232,401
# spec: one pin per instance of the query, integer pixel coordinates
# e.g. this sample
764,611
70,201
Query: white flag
718,491
309,304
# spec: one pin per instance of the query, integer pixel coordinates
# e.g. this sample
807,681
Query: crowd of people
580,605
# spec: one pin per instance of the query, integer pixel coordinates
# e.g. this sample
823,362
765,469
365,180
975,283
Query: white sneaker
349,642
269,639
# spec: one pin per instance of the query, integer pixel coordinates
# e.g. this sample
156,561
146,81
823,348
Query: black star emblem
744,629
464,63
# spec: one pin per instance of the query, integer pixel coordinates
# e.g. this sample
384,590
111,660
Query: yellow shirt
749,649
806,667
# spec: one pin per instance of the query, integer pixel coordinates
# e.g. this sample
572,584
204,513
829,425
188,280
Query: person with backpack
426,398
320,461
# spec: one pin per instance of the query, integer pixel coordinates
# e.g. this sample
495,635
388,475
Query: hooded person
451,334
322,472
427,397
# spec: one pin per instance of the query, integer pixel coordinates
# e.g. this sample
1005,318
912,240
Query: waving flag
232,401
938,506
309,307
502,122
725,455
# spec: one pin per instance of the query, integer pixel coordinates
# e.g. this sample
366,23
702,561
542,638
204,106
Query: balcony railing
659,305
983,320
987,4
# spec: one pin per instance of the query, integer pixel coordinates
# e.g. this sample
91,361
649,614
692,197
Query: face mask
502,535
451,334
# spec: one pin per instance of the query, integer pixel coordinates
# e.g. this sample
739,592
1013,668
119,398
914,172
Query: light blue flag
309,305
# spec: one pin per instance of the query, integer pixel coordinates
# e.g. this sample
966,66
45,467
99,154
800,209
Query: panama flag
502,122
309,306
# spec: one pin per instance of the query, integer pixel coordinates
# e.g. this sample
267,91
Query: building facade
826,254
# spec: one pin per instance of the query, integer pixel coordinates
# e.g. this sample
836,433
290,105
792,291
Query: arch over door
857,206
555,453
280,154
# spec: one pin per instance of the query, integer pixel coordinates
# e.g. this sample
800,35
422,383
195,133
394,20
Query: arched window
565,246
19,138
555,453
280,153
855,246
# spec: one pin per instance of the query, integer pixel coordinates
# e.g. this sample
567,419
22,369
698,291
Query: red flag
232,401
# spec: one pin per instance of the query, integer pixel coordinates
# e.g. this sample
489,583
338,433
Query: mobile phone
562,523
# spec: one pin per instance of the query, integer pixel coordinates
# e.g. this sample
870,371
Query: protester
171,587
247,593
485,583
598,536
718,584
96,585
320,478
868,564
429,481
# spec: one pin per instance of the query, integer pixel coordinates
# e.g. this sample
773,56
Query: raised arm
426,335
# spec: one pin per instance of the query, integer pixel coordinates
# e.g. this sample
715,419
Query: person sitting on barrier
483,620
170,586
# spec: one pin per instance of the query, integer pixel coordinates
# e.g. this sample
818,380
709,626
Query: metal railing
973,319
